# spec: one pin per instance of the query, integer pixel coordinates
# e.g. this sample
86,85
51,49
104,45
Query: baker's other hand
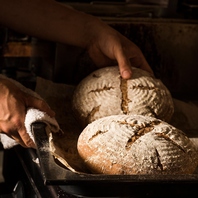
54,21
109,47
13,107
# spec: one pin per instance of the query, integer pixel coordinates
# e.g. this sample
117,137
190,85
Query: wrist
94,28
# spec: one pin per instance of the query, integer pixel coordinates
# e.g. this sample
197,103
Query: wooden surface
17,49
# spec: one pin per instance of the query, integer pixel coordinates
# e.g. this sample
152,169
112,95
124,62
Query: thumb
136,60
39,104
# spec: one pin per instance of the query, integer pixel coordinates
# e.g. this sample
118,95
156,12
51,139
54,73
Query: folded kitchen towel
33,115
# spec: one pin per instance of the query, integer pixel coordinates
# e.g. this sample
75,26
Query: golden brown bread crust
136,144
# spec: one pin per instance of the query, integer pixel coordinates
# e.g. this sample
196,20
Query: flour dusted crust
136,144
104,93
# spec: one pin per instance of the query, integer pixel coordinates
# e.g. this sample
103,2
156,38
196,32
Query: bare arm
46,19
53,21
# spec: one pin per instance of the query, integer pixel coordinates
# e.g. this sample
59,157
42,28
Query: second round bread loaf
136,144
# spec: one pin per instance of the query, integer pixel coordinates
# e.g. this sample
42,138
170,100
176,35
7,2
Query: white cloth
32,115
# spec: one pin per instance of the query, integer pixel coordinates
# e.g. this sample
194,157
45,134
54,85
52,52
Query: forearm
49,20
53,21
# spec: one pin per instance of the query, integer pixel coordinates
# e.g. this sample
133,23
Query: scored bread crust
104,93
136,144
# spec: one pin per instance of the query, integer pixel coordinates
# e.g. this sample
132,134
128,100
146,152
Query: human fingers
39,104
124,64
127,59
21,137
16,130
24,139
139,61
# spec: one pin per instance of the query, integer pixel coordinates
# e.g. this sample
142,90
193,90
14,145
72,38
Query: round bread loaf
104,93
136,144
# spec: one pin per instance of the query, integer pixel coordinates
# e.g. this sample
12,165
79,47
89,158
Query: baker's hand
13,106
110,47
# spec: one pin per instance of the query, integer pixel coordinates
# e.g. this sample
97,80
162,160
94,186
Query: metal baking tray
98,185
